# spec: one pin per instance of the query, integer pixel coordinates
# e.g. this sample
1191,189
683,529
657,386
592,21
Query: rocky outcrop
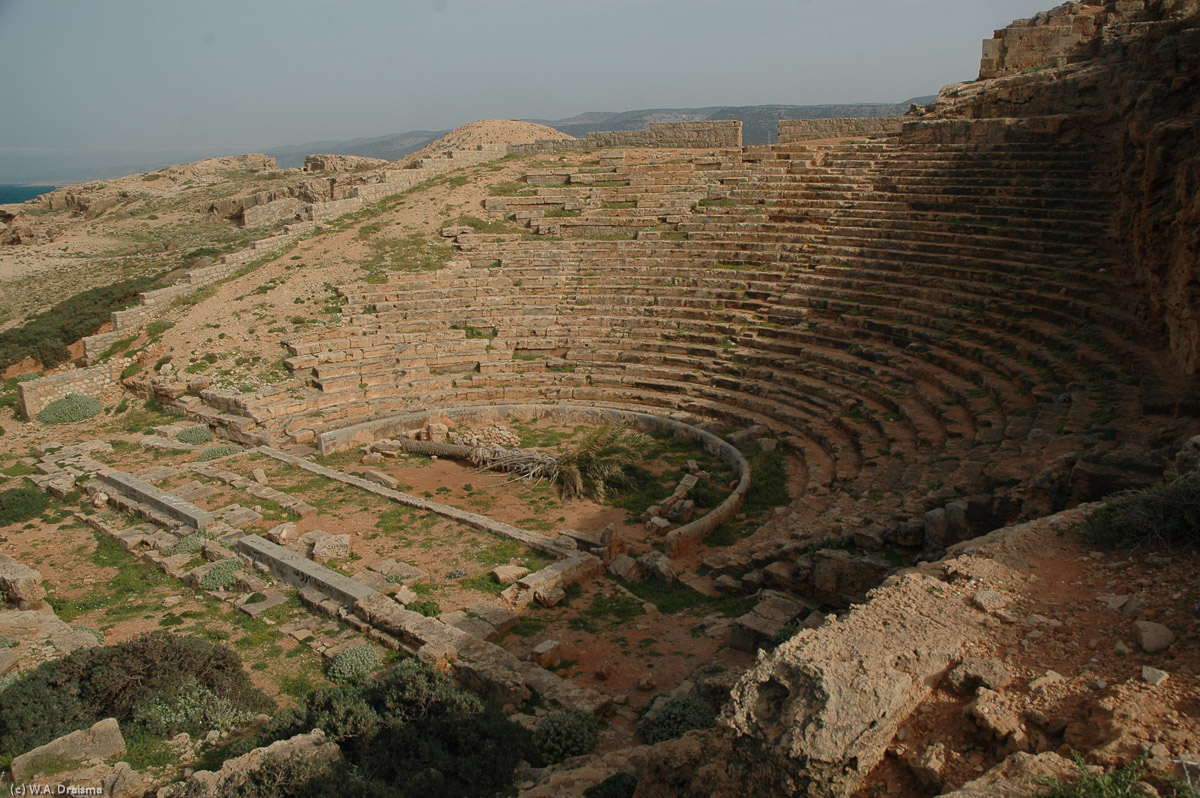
21,584
341,163
312,747
102,741
1018,775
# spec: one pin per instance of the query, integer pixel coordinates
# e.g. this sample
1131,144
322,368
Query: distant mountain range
758,127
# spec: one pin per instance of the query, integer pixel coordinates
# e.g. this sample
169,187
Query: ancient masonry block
300,572
171,506
793,130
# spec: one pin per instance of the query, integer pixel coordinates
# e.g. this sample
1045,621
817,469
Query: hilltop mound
485,133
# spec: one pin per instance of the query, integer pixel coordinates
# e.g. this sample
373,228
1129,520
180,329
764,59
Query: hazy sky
90,83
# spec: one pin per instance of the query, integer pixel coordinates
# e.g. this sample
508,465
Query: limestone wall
693,135
793,130
1054,38
36,394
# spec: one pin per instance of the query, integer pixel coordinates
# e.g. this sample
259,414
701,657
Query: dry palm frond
601,461
528,465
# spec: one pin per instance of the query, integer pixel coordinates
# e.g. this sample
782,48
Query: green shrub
212,453
289,777
679,714
21,504
427,607
1120,783
130,370
191,708
87,685
189,545
353,664
221,576
562,735
72,407
618,785
1164,514
195,435
412,732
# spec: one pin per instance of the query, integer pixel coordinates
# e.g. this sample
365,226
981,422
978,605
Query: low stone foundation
301,572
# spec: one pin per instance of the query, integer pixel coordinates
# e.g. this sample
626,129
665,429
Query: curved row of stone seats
816,353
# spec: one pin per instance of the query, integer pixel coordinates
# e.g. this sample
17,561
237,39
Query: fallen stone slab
400,572
507,574
257,608
101,741
300,572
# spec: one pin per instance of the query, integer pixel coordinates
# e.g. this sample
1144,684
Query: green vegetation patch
125,681
354,663
212,453
412,732
18,505
562,735
678,715
677,597
46,336
71,408
1164,514
195,435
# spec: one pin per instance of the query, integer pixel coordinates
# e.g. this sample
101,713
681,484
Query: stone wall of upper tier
1063,35
693,135
794,130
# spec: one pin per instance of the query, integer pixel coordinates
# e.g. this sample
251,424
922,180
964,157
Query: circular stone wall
678,538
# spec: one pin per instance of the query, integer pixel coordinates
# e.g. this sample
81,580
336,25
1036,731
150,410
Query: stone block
507,574
500,618
299,572
624,567
331,547
656,565
284,533
259,607
545,653
402,572
549,596
380,478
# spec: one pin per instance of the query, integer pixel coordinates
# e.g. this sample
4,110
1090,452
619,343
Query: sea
14,193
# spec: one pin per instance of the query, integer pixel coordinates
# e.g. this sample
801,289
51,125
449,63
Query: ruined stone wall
36,394
1053,38
691,135
794,130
